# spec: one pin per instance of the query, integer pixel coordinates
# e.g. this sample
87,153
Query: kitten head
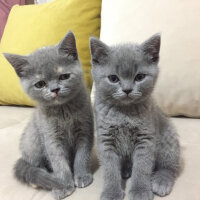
50,75
125,74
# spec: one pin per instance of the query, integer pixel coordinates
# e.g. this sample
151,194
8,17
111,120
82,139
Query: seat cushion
14,119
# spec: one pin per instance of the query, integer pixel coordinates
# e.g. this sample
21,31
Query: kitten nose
127,91
56,90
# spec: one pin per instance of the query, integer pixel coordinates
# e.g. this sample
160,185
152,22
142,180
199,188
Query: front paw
68,189
140,195
83,180
62,193
162,183
112,194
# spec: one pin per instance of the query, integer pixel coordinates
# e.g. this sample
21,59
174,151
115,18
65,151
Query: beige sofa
14,119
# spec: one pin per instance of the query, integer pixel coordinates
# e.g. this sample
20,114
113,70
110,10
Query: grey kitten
57,142
135,139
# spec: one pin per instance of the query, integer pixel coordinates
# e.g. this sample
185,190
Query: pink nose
55,90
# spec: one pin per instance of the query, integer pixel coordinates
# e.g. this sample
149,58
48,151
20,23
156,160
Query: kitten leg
84,143
82,171
167,163
31,168
112,189
60,166
143,161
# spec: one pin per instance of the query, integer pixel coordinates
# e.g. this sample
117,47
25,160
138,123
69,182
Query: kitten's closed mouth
58,98
127,99
55,95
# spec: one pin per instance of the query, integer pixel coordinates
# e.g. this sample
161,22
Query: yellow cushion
34,26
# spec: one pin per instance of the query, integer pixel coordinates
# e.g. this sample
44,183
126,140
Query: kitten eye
113,78
140,77
64,76
40,84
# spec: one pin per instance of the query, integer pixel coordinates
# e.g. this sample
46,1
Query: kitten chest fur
64,120
122,126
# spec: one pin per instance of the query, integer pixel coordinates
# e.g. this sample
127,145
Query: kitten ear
68,46
17,61
99,51
151,48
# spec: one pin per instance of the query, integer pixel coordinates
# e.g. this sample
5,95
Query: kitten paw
62,193
110,195
82,181
141,195
162,183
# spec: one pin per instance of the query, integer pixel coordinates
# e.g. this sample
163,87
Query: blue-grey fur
135,139
57,142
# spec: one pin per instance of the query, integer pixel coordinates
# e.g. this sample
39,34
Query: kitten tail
31,175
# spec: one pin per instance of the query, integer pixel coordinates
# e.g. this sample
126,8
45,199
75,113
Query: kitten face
51,75
125,74
53,82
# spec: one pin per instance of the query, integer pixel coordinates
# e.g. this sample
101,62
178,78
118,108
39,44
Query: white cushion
178,88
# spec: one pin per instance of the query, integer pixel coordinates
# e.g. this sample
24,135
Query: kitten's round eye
113,78
140,77
64,76
40,84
